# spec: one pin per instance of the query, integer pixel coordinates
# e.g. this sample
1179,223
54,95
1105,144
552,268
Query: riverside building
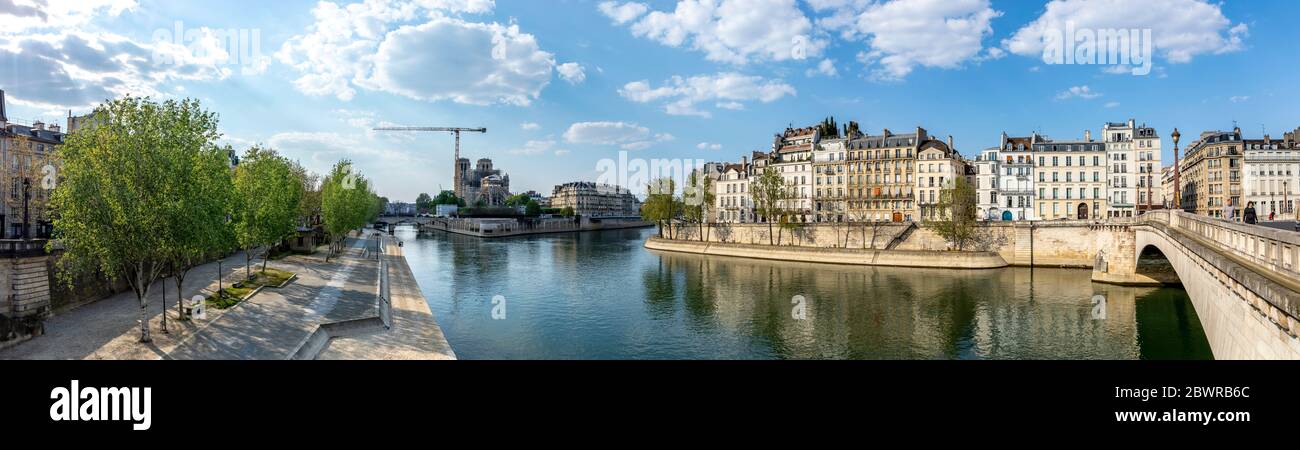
1132,158
731,201
1271,175
25,152
596,200
1210,173
1070,179
881,176
938,166
792,158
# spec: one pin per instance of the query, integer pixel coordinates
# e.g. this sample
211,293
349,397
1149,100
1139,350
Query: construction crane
453,130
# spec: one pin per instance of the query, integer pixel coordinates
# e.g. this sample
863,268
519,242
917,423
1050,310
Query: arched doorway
1006,216
1083,211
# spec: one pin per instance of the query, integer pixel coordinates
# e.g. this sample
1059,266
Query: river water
601,295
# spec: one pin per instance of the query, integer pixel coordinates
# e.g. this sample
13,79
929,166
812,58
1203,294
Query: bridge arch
1238,322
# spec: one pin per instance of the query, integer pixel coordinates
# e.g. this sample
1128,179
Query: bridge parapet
1268,249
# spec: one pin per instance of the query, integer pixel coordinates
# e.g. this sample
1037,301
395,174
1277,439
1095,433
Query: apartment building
732,200
1070,179
792,158
1210,173
1012,195
1132,158
596,200
1271,176
880,175
27,160
829,182
938,166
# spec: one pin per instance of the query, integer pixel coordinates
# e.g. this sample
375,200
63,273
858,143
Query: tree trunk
180,298
142,296
264,259
248,263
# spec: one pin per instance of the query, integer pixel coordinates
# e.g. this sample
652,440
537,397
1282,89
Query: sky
563,84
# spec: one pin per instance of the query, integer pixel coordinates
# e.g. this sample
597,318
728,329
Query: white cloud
708,146
20,16
1239,98
534,148
681,96
1083,92
1181,29
378,45
731,31
904,34
75,69
622,13
826,67
561,152
1112,104
572,73
628,136
529,126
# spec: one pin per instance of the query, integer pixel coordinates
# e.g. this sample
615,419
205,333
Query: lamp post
1178,185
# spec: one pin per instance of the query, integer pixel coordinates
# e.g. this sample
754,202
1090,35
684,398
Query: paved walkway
415,333
268,326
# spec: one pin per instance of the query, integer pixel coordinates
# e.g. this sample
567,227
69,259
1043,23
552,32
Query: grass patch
232,295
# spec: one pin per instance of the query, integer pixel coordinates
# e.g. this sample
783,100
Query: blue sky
561,84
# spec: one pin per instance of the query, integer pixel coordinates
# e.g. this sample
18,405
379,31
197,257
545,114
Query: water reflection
601,295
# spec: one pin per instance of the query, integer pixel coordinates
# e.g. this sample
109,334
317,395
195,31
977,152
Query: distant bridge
1242,279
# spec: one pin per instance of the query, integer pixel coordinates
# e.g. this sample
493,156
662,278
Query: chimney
4,120
1087,135
55,127
38,125
744,162
950,147
887,133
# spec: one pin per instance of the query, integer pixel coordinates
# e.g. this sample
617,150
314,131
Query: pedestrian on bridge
1228,211
1248,216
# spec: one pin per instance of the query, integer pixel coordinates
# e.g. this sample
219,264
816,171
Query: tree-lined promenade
146,193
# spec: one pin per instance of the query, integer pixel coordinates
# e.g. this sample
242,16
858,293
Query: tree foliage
955,219
661,205
769,194
267,200
126,205
347,203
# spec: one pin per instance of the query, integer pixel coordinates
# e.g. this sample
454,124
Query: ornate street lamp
1178,185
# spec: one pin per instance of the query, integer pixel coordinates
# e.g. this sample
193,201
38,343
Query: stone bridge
1242,279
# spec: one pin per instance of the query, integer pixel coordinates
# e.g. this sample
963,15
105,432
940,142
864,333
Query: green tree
309,205
769,194
424,203
661,206
346,201
123,206
698,198
207,233
955,219
267,196
533,208
518,200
